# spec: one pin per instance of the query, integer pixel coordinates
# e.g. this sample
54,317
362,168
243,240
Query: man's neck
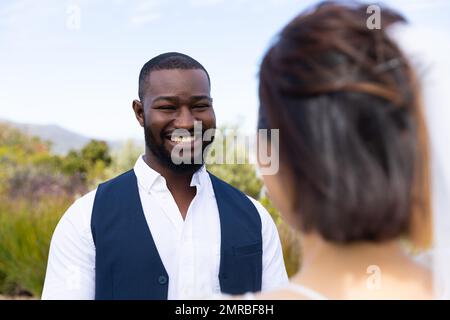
173,178
178,183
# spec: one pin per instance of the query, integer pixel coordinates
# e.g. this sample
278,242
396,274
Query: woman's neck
362,269
316,249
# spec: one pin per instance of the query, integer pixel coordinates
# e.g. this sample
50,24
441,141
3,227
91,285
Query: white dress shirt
189,249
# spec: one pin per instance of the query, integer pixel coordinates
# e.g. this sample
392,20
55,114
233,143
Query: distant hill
62,140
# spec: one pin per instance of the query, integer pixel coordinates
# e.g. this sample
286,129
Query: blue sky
84,77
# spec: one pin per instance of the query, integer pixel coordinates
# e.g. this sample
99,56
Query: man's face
176,99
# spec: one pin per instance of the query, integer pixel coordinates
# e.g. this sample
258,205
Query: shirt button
162,279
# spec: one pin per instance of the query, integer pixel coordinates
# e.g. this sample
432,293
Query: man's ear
138,109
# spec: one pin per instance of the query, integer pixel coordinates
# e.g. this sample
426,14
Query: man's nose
185,119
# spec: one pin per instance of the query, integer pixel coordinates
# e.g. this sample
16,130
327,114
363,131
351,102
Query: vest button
162,279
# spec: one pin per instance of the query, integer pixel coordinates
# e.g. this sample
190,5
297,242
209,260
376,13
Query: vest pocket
242,269
249,249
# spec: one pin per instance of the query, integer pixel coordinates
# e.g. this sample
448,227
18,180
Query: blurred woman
354,175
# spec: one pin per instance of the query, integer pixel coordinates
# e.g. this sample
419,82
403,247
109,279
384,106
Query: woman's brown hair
352,132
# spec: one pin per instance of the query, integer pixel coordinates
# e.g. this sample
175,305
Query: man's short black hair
167,61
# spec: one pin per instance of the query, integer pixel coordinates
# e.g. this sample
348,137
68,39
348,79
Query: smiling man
167,229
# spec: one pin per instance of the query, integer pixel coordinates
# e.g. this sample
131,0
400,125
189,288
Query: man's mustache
203,133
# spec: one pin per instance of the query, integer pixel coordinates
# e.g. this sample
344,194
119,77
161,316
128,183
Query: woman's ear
138,109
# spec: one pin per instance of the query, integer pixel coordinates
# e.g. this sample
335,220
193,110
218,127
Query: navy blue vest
127,263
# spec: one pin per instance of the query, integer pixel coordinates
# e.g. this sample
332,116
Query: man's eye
168,107
201,106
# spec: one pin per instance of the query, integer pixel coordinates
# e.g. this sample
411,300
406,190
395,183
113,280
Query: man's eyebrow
198,98
166,98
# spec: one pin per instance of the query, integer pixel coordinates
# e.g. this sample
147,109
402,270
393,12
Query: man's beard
164,156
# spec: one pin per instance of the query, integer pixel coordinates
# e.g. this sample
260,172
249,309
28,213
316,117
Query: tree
125,158
96,151
73,163
90,162
243,176
240,174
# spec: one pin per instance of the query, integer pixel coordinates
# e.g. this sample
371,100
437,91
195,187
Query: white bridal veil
429,52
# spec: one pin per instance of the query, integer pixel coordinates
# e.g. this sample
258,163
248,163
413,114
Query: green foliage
36,187
34,192
265,201
96,151
73,163
240,174
290,239
25,232
15,139
90,162
244,177
19,148
124,159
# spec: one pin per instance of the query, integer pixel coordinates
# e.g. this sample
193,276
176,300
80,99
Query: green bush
290,239
25,233
37,187
245,178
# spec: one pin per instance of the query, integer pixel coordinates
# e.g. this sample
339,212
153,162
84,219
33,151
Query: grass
25,233
26,228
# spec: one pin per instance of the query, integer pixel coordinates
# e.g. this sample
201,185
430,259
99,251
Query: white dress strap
304,291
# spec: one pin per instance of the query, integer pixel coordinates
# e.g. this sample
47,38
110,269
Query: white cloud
144,18
430,54
204,3
418,4
146,12
22,20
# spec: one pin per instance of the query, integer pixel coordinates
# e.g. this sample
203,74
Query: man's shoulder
78,216
86,201
118,179
263,213
216,181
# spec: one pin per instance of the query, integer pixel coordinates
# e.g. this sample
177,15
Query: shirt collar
149,179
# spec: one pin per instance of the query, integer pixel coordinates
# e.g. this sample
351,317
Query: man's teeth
182,139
